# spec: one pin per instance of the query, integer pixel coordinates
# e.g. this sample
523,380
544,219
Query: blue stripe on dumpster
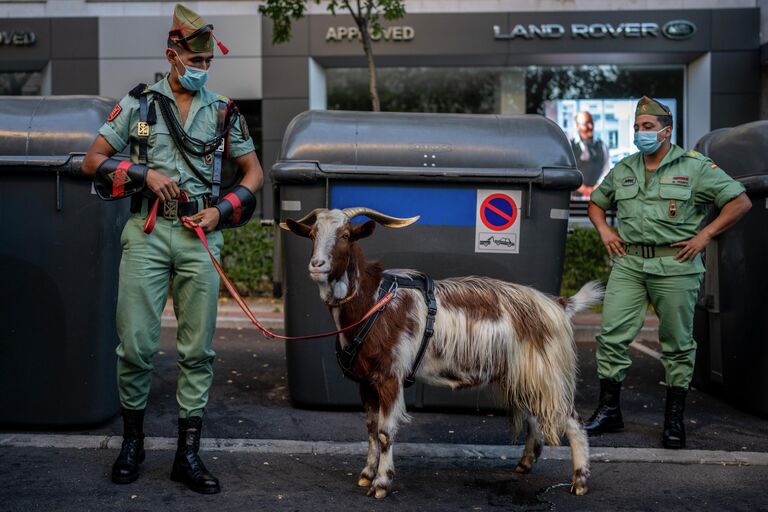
437,206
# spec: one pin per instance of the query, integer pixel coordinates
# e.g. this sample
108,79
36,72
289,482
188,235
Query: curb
433,450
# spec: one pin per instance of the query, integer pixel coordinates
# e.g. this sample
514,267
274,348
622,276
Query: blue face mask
193,79
647,142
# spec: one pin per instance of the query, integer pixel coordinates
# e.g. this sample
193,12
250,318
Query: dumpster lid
321,144
41,132
739,151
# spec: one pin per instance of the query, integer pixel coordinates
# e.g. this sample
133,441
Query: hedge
247,258
585,260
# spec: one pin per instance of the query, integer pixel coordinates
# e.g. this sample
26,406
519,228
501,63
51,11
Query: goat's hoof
522,468
579,489
380,493
364,482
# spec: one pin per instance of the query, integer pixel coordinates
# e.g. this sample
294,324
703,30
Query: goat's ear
363,230
296,228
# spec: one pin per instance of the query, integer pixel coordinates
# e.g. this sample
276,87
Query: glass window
21,83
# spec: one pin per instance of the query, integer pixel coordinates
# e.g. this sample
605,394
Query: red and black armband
116,179
236,208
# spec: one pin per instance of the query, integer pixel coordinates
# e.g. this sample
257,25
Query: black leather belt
651,251
170,210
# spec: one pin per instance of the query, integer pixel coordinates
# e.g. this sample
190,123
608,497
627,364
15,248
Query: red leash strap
149,223
248,313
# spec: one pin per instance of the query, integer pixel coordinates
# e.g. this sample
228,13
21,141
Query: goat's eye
345,236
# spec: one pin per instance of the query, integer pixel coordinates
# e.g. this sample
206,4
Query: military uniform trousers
150,262
624,309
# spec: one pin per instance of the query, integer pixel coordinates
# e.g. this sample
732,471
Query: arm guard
236,208
116,179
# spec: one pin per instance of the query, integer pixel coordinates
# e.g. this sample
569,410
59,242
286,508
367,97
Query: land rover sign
678,29
675,30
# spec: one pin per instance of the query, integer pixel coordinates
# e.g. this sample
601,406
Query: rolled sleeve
117,142
729,193
715,186
603,196
239,143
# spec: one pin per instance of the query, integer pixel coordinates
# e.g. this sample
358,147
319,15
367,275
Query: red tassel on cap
223,48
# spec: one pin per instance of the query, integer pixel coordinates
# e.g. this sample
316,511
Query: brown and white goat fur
486,331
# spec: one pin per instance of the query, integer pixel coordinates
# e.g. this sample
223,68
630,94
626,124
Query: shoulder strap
142,129
218,154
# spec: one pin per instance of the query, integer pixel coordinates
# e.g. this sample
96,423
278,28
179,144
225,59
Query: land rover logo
678,29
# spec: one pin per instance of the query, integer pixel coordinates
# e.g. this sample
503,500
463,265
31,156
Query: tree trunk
368,49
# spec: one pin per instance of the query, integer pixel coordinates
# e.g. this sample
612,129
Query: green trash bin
492,192
59,255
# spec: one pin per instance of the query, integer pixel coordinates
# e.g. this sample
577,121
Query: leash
375,309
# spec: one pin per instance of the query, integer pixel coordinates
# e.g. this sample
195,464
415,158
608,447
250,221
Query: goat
486,331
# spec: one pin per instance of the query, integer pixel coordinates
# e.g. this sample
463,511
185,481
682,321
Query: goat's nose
317,262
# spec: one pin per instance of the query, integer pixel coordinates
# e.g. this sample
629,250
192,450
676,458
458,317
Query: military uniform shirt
162,154
668,209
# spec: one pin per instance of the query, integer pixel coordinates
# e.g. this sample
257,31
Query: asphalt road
250,400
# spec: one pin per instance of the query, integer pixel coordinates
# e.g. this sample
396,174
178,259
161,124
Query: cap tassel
223,48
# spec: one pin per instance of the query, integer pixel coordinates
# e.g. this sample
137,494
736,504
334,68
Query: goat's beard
331,289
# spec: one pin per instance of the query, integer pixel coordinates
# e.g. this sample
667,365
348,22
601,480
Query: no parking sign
497,224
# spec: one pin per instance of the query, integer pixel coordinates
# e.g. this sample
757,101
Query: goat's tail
541,377
589,295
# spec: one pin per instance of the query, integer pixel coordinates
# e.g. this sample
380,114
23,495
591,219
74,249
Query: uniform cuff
241,148
600,199
729,193
112,137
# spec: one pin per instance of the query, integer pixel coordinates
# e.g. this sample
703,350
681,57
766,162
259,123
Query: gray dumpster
492,193
59,253
731,322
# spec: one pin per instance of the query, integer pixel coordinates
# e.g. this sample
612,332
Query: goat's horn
308,218
381,218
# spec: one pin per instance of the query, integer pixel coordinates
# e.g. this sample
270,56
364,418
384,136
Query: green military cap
190,31
651,107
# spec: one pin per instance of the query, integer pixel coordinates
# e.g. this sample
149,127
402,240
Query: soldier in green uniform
661,194
178,132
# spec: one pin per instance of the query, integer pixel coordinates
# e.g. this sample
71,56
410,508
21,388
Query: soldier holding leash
178,132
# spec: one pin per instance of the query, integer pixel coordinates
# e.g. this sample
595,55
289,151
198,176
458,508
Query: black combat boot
126,468
607,416
187,466
674,427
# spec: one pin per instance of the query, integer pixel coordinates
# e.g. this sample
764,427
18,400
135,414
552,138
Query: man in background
592,157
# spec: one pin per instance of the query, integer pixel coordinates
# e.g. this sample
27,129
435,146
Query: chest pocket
160,144
674,203
626,198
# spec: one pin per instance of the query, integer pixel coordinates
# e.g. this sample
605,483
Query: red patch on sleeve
115,112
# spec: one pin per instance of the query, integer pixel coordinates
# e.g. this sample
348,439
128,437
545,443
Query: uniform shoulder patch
115,112
713,165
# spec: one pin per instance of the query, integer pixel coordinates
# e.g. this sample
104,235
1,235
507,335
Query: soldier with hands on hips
178,132
661,194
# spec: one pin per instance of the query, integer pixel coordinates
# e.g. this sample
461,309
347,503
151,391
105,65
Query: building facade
552,57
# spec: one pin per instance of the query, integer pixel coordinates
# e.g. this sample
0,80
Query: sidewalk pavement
271,455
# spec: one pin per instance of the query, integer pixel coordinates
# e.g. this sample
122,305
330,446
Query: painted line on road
645,350
432,450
